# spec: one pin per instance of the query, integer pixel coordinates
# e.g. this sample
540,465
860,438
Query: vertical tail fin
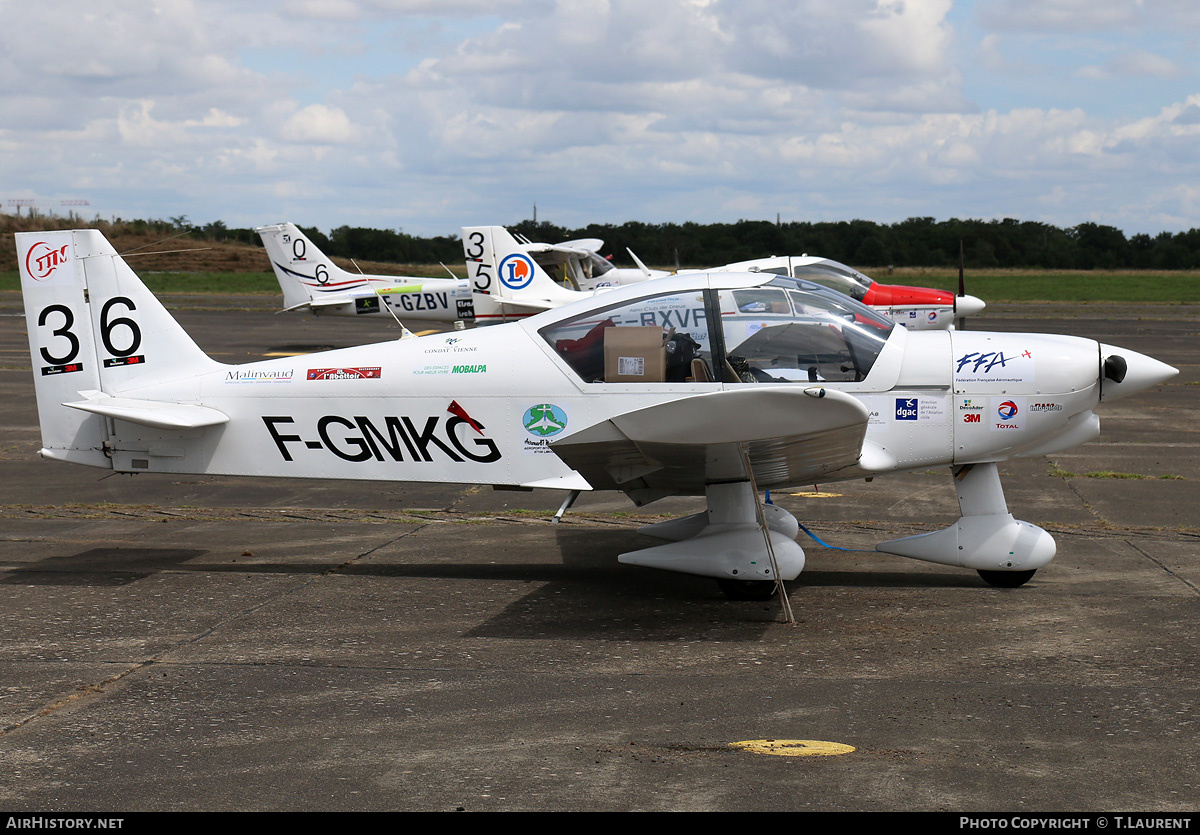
501,271
94,329
303,271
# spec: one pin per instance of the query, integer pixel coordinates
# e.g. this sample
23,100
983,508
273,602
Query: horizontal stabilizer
534,304
152,413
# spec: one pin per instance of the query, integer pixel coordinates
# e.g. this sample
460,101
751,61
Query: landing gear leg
1005,551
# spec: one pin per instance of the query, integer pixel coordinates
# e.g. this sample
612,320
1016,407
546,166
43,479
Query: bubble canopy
719,328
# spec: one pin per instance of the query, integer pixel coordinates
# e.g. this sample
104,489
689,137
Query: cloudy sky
428,115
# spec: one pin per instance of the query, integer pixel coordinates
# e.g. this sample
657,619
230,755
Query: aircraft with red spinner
917,308
716,384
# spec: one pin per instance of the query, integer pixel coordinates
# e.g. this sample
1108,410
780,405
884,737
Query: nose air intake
1115,368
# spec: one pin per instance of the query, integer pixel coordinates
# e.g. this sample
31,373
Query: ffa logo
516,271
544,420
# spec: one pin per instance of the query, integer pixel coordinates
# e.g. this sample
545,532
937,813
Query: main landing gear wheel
748,589
1007,579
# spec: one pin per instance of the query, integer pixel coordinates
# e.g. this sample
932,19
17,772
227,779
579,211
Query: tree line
915,242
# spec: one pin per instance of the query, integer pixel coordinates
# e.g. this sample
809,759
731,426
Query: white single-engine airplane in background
310,280
662,388
579,265
517,293
917,308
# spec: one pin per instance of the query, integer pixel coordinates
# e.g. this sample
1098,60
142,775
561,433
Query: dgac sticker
922,409
371,373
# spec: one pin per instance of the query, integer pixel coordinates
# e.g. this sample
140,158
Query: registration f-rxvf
713,384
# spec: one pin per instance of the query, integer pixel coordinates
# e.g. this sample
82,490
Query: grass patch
1059,285
1058,472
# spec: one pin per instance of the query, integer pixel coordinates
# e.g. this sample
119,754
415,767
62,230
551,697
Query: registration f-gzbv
664,388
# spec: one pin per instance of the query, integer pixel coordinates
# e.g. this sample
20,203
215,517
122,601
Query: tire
1007,579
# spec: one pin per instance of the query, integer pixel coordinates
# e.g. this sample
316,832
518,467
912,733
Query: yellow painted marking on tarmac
793,747
426,333
811,494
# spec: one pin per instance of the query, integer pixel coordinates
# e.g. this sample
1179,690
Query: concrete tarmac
203,643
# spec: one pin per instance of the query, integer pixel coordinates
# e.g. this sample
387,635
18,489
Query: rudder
93,328
304,272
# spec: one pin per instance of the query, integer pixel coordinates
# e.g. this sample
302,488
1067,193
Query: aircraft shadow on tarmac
587,560
99,567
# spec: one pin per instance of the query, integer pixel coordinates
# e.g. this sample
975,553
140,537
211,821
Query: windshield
793,331
785,331
598,264
837,277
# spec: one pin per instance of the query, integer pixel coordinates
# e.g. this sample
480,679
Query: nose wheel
1007,579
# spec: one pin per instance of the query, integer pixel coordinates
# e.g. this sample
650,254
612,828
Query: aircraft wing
558,253
792,435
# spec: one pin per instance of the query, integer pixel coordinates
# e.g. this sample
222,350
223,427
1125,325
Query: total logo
516,271
1008,410
544,420
932,315
42,260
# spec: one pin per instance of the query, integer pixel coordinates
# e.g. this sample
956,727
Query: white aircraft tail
505,281
305,274
96,333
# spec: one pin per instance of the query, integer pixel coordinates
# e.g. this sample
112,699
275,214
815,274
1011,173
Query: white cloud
601,110
318,124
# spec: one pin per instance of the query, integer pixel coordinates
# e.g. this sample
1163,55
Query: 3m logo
972,418
42,260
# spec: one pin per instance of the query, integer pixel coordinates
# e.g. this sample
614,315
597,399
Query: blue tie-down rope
818,539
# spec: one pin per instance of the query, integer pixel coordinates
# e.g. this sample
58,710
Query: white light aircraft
506,279
663,388
310,280
917,308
